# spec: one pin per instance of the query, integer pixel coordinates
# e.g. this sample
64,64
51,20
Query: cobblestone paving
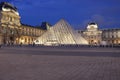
32,64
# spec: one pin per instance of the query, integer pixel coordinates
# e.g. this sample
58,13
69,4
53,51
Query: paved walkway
59,63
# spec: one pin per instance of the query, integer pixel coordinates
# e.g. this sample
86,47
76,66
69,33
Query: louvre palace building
12,31
104,36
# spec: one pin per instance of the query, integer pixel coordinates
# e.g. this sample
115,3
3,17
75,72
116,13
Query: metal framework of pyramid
60,34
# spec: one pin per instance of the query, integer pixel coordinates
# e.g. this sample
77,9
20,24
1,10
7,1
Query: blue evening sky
106,13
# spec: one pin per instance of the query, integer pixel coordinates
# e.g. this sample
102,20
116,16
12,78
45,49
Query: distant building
111,36
29,34
92,34
96,36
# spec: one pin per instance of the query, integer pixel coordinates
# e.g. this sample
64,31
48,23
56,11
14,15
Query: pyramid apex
62,19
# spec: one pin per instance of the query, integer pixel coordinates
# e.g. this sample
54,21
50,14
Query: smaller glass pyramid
60,34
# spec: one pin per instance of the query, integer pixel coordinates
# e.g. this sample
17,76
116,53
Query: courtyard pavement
59,63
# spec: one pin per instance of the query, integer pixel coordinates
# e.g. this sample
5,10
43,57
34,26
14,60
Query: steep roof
92,23
7,6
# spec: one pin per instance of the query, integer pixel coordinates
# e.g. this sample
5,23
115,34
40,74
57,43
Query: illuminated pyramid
60,33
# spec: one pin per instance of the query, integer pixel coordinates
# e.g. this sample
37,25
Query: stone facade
29,34
111,36
12,31
96,36
92,34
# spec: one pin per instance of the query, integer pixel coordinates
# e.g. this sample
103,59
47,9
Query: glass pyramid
60,34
